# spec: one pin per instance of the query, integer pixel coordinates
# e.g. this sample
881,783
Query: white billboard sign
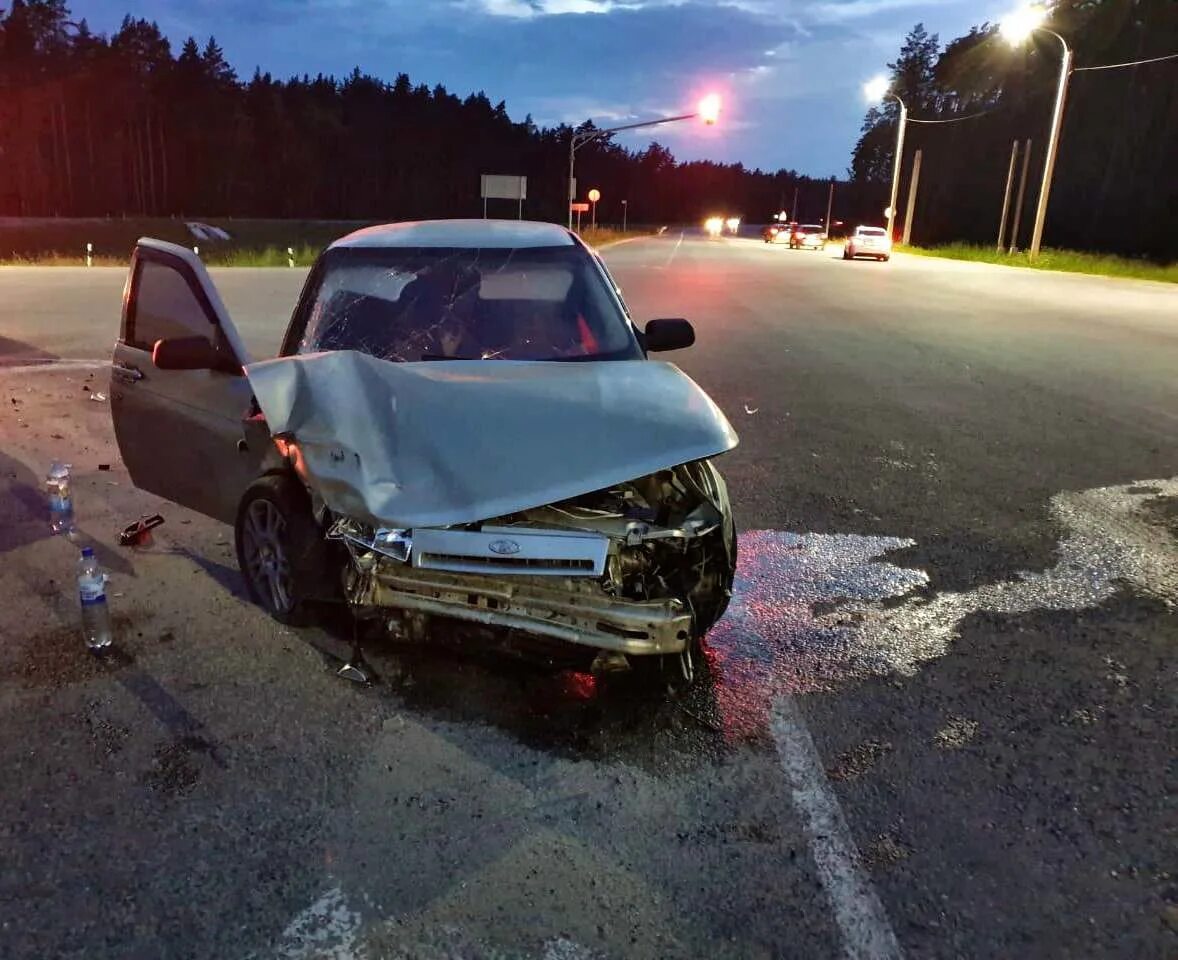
499,187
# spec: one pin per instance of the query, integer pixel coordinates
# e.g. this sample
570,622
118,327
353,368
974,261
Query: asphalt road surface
938,720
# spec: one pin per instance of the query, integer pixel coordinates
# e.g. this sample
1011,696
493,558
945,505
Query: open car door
180,430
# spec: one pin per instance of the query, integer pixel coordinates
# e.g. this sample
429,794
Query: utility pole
1017,226
625,214
793,214
1006,198
900,131
912,187
829,207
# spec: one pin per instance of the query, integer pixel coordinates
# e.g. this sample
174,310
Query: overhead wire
1131,63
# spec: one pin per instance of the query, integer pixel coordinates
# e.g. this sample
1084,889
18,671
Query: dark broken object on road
138,534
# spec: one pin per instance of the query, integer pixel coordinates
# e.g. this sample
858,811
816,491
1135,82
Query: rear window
871,232
411,304
809,229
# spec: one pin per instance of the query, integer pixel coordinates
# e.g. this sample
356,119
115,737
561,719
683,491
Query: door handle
126,373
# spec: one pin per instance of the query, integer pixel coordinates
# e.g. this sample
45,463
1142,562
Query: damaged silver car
462,423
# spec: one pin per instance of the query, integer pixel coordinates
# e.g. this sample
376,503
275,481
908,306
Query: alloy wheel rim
266,559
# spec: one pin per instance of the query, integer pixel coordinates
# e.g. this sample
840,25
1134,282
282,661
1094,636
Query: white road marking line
671,258
327,930
862,921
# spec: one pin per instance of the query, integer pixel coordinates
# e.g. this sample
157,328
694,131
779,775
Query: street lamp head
1018,26
709,108
876,89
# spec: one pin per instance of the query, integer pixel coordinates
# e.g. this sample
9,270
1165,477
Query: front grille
443,561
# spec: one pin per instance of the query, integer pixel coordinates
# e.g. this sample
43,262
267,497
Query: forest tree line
94,125
1116,180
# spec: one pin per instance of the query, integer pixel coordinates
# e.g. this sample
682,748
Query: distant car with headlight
868,242
778,232
808,236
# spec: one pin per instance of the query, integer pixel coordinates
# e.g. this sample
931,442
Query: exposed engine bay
641,568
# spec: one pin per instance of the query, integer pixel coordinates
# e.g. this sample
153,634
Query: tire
280,549
847,256
885,259
675,673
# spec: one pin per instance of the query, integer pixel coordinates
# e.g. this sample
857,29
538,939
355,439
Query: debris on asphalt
138,534
750,410
98,397
956,733
858,760
85,388
104,466
1084,717
885,850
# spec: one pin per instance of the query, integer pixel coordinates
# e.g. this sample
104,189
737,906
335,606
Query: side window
165,305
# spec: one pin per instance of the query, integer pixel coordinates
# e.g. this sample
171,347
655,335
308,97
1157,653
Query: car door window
166,304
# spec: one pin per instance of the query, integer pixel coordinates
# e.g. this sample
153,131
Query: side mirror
676,334
190,353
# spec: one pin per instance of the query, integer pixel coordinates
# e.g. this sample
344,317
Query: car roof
463,234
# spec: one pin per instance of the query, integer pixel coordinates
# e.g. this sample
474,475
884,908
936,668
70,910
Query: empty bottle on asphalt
61,501
92,594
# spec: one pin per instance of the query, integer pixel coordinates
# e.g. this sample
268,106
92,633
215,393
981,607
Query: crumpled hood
437,443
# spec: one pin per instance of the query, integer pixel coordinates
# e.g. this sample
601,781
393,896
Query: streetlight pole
625,213
896,165
1061,96
708,111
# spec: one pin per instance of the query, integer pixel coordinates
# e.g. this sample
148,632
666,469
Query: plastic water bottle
61,501
92,593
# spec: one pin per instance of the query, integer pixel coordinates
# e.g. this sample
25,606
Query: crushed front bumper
572,609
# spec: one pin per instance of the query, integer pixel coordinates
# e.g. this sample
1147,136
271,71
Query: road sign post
594,196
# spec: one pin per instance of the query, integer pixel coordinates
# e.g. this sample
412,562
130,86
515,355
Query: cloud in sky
790,71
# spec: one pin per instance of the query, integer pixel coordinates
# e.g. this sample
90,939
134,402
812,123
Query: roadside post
912,188
290,257
89,254
1022,194
578,207
1006,199
625,213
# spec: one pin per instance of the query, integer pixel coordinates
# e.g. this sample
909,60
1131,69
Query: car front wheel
280,548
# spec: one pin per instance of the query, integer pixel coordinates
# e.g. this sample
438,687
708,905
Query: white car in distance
868,242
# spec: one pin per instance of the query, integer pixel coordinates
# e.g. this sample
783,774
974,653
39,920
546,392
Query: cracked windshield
407,305
589,480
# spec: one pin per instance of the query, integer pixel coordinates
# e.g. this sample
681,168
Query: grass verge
252,243
1065,261
604,236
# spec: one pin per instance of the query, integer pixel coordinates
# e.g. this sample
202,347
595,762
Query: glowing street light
880,89
876,88
1017,28
708,110
1018,25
